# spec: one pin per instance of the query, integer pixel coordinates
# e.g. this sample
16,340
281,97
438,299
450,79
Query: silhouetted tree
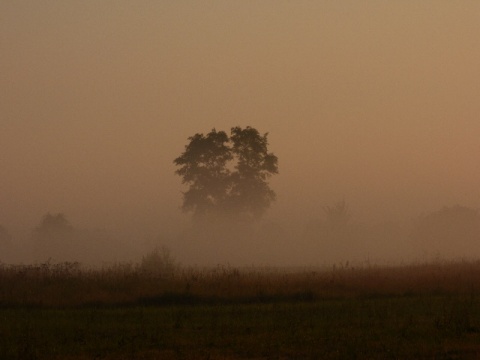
227,175
203,168
250,192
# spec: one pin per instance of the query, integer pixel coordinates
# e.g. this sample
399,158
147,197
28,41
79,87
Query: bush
159,263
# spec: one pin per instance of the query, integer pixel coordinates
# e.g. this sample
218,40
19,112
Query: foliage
203,167
337,216
69,284
227,175
417,311
250,192
453,230
159,263
53,237
53,226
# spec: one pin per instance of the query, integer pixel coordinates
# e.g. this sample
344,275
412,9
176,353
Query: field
61,311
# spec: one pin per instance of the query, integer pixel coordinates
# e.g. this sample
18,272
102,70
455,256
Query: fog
374,104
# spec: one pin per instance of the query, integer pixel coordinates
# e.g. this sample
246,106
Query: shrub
159,263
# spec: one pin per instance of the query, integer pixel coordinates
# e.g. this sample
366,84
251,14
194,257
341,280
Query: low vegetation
158,279
128,311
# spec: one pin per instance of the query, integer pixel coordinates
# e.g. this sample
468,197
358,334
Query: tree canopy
337,216
227,175
53,226
453,230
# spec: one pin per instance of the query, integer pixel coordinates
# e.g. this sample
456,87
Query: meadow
128,311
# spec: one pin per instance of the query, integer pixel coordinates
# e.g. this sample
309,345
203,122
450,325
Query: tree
203,168
227,175
337,216
159,262
452,231
250,191
53,226
52,238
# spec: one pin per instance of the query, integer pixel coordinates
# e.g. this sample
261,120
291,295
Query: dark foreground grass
429,311
434,327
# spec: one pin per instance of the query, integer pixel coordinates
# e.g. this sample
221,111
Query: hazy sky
374,102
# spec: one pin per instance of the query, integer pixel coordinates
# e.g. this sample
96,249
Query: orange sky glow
373,102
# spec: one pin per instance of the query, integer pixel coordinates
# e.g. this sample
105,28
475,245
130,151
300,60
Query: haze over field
375,103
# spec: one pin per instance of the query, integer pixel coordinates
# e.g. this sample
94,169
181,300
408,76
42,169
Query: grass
65,312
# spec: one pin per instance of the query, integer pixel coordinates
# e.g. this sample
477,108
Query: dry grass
61,311
68,284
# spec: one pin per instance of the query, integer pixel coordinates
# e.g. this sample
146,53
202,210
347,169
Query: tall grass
66,311
69,284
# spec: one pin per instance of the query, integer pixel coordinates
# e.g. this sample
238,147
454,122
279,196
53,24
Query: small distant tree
159,263
337,216
453,230
53,226
52,238
227,175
